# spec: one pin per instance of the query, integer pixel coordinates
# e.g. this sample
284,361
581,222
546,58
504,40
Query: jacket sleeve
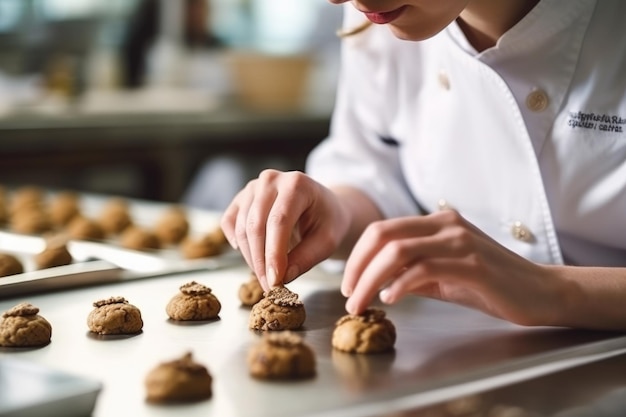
360,150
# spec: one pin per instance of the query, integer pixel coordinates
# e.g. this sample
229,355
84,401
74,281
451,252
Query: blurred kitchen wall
81,44
101,64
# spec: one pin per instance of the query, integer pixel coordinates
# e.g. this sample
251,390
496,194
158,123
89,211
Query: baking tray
102,262
95,263
32,390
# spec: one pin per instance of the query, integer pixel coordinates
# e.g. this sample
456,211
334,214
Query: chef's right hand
284,223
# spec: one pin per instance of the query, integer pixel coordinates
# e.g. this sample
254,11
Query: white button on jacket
529,131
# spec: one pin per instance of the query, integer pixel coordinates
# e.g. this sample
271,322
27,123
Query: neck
484,21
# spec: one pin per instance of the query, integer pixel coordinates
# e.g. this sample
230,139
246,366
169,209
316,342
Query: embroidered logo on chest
596,121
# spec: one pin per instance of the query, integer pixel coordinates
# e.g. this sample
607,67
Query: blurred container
270,82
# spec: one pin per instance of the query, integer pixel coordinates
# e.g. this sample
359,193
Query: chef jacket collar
546,20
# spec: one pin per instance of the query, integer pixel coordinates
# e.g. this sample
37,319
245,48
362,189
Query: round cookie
202,247
83,228
10,265
21,326
31,220
250,292
369,332
280,309
26,197
281,355
63,207
193,302
114,316
115,216
138,238
55,254
172,227
179,381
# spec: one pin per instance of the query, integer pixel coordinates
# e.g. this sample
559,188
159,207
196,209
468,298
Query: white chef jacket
527,139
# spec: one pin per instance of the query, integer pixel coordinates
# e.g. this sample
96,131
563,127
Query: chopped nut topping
283,339
22,309
194,288
370,315
186,363
112,300
283,297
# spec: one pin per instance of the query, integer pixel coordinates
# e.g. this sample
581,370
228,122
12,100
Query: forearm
361,211
592,297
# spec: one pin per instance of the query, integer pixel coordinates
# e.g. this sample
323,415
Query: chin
412,35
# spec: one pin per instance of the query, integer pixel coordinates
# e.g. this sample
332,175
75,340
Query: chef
477,155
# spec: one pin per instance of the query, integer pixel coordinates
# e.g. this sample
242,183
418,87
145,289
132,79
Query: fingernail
346,292
385,296
272,277
349,307
292,273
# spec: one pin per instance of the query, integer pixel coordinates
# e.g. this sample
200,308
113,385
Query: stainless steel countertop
443,351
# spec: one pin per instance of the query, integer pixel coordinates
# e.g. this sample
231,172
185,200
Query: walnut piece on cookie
194,302
369,332
281,355
22,326
280,309
114,316
179,381
250,292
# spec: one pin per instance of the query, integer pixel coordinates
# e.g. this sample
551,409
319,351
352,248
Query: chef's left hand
443,256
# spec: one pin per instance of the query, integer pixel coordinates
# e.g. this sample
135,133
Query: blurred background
169,100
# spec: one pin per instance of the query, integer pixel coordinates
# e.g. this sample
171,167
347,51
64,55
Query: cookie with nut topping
114,316
22,326
280,309
281,355
368,332
180,381
194,302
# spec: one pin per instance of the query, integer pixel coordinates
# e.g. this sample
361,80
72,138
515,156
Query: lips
382,18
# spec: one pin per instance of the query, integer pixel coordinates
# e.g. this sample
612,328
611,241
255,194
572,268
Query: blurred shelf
164,147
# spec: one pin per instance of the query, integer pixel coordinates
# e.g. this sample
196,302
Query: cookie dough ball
194,302
280,309
114,316
281,355
55,253
173,226
84,228
251,292
25,198
10,265
202,247
21,326
217,236
179,381
31,220
115,216
138,238
369,332
63,208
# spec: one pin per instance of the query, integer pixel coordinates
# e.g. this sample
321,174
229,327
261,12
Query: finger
244,202
280,232
375,237
385,265
228,221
